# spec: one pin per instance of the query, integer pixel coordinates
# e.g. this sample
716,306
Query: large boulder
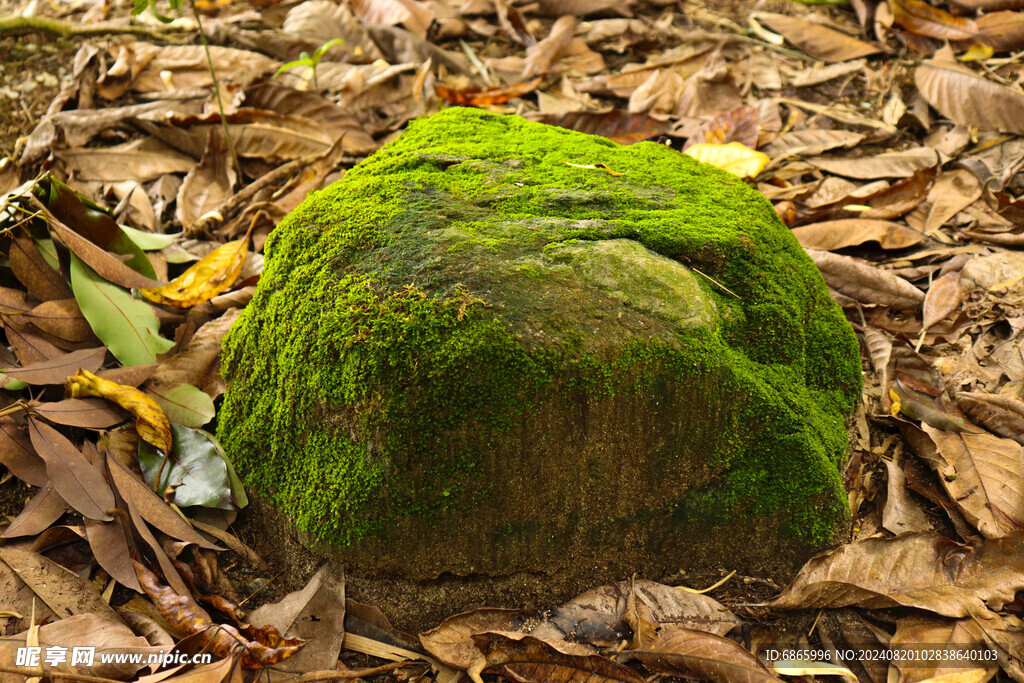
483,354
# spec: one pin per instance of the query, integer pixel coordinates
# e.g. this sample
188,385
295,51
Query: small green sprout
142,5
311,62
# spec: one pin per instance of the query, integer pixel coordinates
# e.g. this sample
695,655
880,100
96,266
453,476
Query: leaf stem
216,90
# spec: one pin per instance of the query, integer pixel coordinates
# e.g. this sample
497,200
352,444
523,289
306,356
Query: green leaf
199,463
150,241
184,404
291,65
319,52
126,325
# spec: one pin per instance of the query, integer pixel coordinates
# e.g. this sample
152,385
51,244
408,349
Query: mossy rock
479,355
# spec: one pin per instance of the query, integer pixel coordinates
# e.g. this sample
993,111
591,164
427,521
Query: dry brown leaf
63,591
582,8
525,658
991,5
810,142
617,125
920,18
140,160
74,477
87,413
832,235
18,455
736,125
56,371
901,513
969,99
45,508
984,475
954,636
452,641
818,41
1002,415
60,318
110,546
886,165
674,650
863,282
1003,31
541,56
208,184
150,421
41,279
415,16
942,299
498,94
922,570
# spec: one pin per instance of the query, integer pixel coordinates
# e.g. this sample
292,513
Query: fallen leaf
197,468
150,421
451,642
208,185
886,165
87,413
816,40
183,403
617,125
127,326
45,508
1002,415
810,142
75,478
59,369
942,299
969,99
213,274
922,570
733,157
863,282
922,19
525,658
833,235
496,94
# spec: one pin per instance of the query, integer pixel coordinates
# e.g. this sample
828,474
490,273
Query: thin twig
17,25
216,90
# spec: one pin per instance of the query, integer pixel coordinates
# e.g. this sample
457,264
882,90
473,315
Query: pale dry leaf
810,142
942,299
901,164
922,570
833,235
816,40
985,479
863,282
969,99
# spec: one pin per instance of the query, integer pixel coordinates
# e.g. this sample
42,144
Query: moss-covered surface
468,356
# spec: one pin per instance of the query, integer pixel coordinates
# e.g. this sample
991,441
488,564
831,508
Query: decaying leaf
816,40
733,157
213,274
150,421
832,235
525,658
259,648
969,99
922,570
861,281
75,478
475,97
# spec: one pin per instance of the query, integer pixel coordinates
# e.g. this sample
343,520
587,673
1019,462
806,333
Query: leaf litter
886,134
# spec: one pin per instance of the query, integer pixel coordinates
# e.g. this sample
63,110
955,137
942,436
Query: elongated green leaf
126,325
184,404
199,464
150,241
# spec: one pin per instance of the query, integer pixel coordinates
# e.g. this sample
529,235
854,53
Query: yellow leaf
213,274
977,53
734,157
150,420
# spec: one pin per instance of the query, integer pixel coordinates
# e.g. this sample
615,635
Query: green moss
415,315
